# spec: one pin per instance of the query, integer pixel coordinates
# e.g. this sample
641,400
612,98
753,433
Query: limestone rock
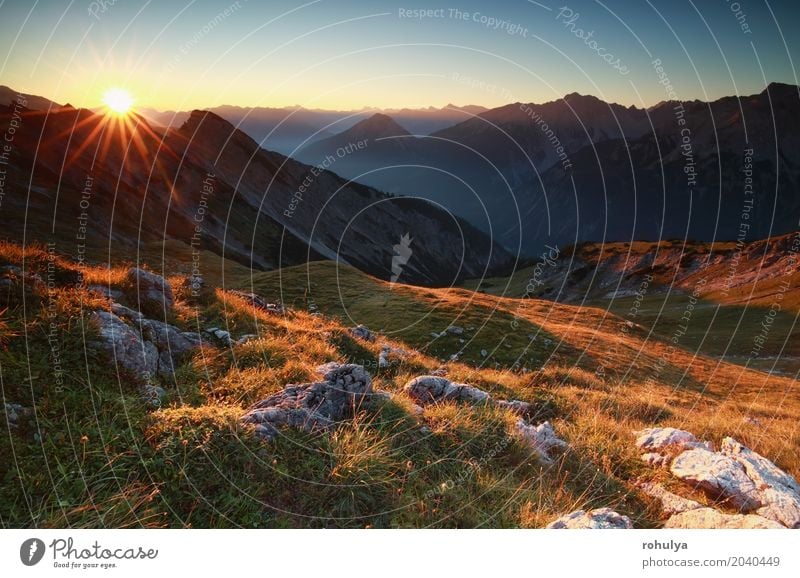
362,332
778,491
312,406
709,518
152,293
600,519
542,438
658,439
718,475
427,389
259,302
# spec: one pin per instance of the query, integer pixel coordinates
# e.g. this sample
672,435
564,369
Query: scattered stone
709,518
752,421
600,519
245,338
484,353
259,302
670,503
151,292
659,439
435,335
14,413
427,389
220,335
382,396
417,410
312,406
719,476
440,371
362,332
425,430
542,438
515,406
455,330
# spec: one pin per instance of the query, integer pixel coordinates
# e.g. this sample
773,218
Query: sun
118,101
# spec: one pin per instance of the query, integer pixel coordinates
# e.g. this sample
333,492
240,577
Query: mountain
579,169
288,129
210,185
9,97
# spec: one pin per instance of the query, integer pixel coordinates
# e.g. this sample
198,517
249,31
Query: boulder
152,293
455,330
778,491
542,438
709,518
660,439
427,389
600,519
719,476
144,349
125,346
312,406
362,332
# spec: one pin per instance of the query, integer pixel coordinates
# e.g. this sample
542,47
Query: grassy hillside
92,454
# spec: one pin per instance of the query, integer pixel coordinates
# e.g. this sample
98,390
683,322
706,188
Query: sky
346,55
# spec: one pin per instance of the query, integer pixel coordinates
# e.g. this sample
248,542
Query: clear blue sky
345,54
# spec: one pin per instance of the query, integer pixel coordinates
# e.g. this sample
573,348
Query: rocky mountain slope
137,401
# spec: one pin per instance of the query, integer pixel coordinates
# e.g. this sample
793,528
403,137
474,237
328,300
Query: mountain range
579,169
87,178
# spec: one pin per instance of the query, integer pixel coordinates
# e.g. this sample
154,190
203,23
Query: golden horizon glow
118,101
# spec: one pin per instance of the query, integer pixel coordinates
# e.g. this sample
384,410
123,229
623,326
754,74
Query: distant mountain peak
378,125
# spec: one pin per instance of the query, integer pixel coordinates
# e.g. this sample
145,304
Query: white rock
602,518
718,475
670,503
709,518
542,438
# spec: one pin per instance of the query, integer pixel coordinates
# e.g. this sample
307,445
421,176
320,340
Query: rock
245,338
542,438
259,302
152,293
664,438
600,519
435,335
312,406
719,476
439,371
14,413
484,353
383,359
515,406
655,460
125,346
709,518
417,410
778,491
126,312
455,330
220,335
670,503
145,349
362,332
427,389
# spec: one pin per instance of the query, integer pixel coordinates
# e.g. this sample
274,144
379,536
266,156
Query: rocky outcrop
736,475
15,414
709,518
144,348
427,389
718,476
312,406
151,293
541,438
600,519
